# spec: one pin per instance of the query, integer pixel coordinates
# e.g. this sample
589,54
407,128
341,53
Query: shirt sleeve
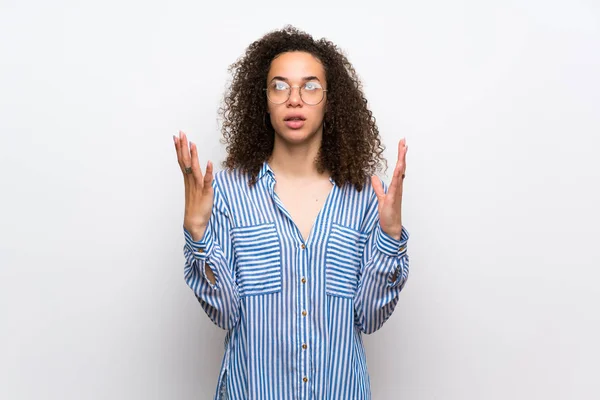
384,272
220,300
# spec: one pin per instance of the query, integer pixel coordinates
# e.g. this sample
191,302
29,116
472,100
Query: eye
312,86
280,86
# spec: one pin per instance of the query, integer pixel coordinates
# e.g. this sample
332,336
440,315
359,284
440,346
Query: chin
296,135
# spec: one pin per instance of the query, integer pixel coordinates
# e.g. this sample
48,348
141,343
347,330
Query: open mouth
294,122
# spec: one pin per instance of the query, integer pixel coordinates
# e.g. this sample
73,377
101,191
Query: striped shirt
294,310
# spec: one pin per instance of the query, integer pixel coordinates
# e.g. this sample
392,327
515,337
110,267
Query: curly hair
351,148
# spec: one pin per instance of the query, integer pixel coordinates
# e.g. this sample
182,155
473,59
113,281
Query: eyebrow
306,78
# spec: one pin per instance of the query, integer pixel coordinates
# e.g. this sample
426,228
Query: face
296,120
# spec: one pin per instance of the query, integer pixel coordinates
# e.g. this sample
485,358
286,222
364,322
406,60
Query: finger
186,185
187,192
402,147
395,189
186,157
377,187
208,177
196,171
177,144
404,161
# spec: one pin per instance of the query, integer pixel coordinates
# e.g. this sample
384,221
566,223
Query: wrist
395,233
197,232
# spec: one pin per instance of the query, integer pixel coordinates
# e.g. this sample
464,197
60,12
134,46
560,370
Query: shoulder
230,182
366,189
229,176
357,209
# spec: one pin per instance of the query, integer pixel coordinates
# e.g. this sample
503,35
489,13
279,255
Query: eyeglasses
312,93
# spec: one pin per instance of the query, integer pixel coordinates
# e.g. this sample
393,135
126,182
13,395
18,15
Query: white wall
499,102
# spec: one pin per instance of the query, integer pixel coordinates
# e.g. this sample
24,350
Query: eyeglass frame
290,95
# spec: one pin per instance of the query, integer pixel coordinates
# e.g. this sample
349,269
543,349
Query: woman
295,248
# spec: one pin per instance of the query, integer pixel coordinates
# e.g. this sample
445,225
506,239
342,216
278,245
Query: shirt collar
266,170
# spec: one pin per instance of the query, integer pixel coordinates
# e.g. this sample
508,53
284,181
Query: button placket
304,321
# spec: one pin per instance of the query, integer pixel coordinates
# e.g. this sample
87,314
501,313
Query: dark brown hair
351,147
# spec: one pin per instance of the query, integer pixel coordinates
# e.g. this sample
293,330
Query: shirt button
304,346
303,280
305,379
200,250
303,246
304,313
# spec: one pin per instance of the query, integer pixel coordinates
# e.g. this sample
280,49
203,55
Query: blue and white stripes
294,310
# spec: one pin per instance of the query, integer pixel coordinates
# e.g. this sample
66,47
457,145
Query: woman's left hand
390,204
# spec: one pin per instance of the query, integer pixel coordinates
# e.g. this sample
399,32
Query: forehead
296,65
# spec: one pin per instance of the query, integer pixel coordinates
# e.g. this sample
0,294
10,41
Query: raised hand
390,204
198,189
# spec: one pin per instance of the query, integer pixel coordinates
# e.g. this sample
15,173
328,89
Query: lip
293,123
294,115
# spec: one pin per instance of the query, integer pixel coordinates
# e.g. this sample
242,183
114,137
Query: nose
295,98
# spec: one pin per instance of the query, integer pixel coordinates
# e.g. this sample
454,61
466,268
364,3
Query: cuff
202,248
389,245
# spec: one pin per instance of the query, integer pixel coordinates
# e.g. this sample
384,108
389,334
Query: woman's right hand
198,189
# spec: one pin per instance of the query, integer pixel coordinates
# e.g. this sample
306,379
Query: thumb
377,187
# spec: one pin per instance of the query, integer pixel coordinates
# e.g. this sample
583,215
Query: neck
296,161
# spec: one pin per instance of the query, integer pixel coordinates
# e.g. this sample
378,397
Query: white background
500,105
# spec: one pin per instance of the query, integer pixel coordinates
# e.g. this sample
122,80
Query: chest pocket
345,247
258,256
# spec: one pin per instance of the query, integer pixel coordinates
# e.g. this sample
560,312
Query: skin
295,150
299,185
292,159
390,204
